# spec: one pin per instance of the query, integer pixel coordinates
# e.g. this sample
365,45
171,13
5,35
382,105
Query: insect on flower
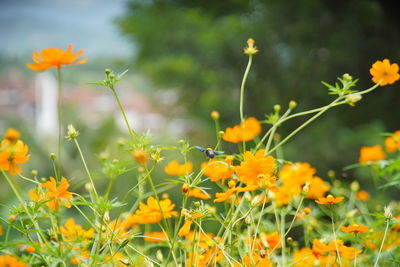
209,152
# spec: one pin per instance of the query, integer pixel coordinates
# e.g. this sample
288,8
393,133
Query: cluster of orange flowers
376,153
13,152
243,132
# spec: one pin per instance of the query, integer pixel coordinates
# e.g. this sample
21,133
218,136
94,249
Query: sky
27,25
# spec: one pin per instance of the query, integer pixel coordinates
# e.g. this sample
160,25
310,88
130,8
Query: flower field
244,205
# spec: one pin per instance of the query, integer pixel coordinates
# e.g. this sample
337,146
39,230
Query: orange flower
256,260
354,229
174,168
220,197
362,195
72,231
266,241
140,156
296,173
319,248
117,230
185,229
8,260
55,57
371,153
197,192
329,200
12,135
151,213
155,237
243,132
317,188
30,249
218,170
392,143
57,195
12,154
287,193
37,195
254,165
384,72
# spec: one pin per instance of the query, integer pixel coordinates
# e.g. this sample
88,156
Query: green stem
334,236
85,166
283,221
132,133
383,241
17,194
246,73
60,122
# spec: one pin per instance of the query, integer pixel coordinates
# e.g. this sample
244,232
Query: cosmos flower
12,154
174,168
57,196
392,143
72,231
155,237
151,212
8,260
371,153
55,57
354,229
243,132
329,200
385,72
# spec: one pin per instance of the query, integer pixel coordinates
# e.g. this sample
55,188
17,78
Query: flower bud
72,133
12,218
182,142
221,134
277,108
53,156
353,98
159,255
306,187
185,188
388,212
250,49
197,204
292,104
289,240
307,210
215,115
88,187
34,173
107,71
165,196
12,135
347,77
140,156
354,186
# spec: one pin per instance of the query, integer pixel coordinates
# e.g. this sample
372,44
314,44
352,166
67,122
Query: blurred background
185,59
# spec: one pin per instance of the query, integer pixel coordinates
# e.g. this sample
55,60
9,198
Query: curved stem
383,241
334,236
85,166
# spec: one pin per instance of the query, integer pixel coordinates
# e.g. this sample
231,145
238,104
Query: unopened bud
107,71
185,188
34,173
289,240
182,142
277,108
250,49
165,196
292,104
140,156
88,187
355,186
12,218
306,187
215,115
353,98
53,156
159,255
221,134
347,77
197,204
263,253
307,210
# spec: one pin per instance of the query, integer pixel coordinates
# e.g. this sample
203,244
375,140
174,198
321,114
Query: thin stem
246,73
283,221
132,133
17,194
60,122
85,165
334,236
383,241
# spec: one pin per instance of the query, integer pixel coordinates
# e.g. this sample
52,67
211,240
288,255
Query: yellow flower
55,57
11,261
371,153
174,168
254,165
12,154
218,170
329,200
140,156
57,195
197,192
72,231
250,49
362,195
185,229
12,135
151,213
243,132
354,229
384,72
392,143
